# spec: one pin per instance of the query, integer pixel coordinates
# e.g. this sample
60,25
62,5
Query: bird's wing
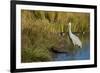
76,40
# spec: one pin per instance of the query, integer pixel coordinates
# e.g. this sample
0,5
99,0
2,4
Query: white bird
75,40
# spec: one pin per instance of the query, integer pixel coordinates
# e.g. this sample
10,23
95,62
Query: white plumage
75,40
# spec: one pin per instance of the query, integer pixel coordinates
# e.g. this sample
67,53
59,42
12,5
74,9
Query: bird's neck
70,29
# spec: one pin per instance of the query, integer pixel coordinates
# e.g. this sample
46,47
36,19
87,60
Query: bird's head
69,24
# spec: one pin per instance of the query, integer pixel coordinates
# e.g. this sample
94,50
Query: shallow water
79,54
82,54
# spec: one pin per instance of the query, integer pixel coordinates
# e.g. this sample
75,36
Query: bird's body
75,40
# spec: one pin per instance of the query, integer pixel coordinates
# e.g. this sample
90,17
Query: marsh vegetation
41,31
